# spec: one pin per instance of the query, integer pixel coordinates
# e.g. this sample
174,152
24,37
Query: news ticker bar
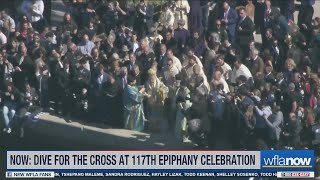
101,174
225,161
133,160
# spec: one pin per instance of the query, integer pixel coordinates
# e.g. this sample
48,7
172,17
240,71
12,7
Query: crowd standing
127,65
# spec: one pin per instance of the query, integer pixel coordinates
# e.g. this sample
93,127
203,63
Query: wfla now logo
287,160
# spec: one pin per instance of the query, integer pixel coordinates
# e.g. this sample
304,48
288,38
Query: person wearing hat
134,118
156,92
181,34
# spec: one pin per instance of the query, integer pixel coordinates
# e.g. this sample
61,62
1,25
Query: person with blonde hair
250,8
290,64
290,69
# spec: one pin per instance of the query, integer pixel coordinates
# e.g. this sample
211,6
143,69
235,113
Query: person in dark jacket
82,77
145,18
267,10
244,31
109,17
65,80
43,80
279,25
306,13
229,18
170,41
68,25
278,55
112,98
259,15
181,35
195,17
98,81
197,43
24,68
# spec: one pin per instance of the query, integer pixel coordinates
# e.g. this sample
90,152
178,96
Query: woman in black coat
112,103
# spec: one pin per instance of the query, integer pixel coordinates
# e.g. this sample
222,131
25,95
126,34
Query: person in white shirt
198,71
167,17
7,22
169,77
175,60
154,37
238,70
33,9
218,77
3,39
225,67
134,44
190,54
86,46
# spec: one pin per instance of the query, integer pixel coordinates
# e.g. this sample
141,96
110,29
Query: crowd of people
129,66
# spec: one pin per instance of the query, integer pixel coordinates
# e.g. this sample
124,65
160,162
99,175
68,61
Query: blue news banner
49,164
